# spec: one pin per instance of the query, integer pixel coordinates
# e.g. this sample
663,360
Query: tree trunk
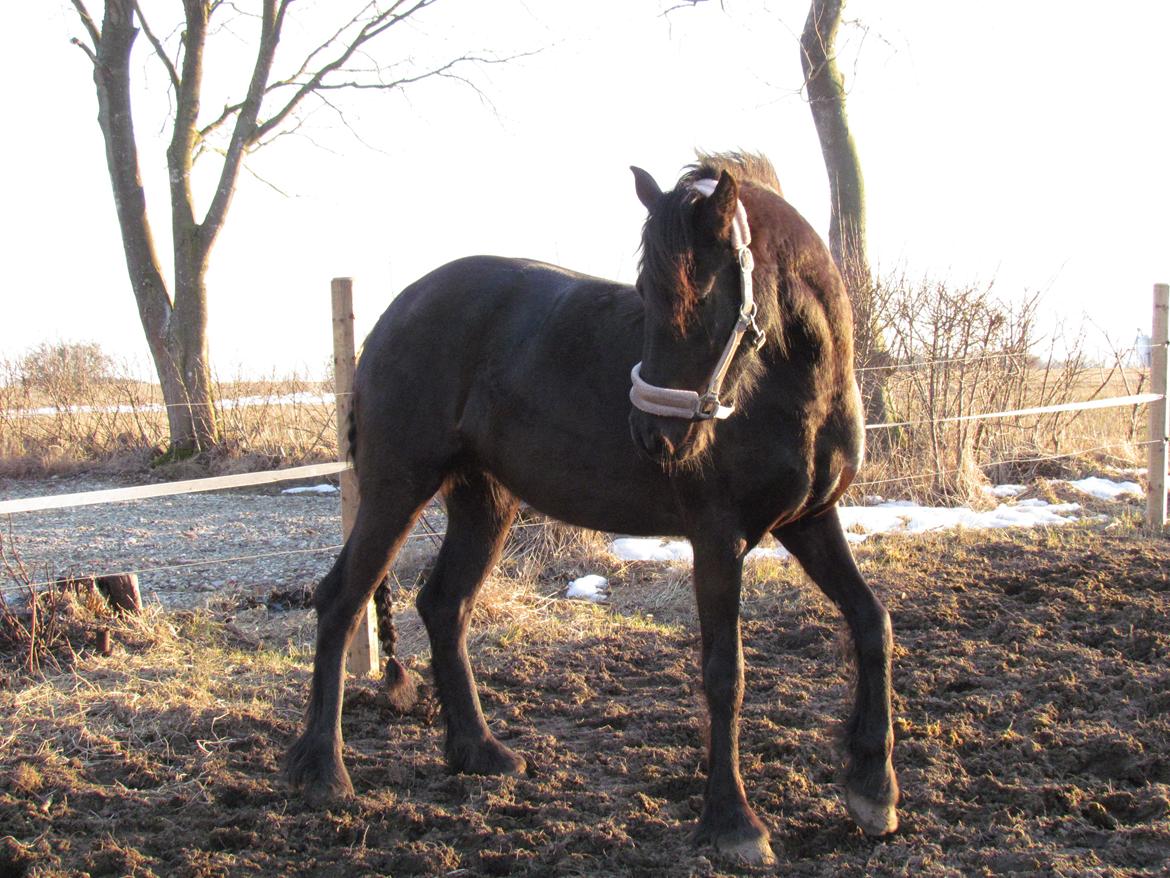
176,336
176,327
847,238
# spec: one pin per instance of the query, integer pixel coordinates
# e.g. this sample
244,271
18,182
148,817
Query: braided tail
399,686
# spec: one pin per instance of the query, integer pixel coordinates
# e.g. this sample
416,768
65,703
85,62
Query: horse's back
463,343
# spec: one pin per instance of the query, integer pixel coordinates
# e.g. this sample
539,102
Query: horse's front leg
728,821
871,788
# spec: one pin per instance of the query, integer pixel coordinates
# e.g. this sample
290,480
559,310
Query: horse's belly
583,471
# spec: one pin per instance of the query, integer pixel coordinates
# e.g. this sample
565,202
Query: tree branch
369,30
244,132
112,79
87,21
158,46
687,4
183,135
228,111
88,51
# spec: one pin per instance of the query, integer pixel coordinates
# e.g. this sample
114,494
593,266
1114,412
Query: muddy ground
1032,735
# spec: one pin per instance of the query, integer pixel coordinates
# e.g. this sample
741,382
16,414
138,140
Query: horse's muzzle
665,440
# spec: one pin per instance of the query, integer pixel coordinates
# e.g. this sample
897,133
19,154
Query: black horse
491,380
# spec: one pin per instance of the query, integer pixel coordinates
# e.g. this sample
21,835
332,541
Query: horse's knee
428,604
723,679
873,634
441,612
326,592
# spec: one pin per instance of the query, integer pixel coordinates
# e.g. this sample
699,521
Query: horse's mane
667,246
746,167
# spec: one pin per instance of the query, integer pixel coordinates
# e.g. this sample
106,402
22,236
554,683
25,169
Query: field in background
932,460
112,422
100,419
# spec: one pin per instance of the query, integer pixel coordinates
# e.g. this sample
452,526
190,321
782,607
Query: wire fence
430,534
45,503
1081,452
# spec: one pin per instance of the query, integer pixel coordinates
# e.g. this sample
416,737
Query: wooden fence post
1159,413
363,651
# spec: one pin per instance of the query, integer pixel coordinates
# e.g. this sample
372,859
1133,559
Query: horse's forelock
668,257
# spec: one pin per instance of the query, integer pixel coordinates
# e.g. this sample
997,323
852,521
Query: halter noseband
670,403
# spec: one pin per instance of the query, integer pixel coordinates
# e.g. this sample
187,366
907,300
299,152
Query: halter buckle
748,326
708,407
746,262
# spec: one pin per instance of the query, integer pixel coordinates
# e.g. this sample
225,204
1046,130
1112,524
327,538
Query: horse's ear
716,213
648,191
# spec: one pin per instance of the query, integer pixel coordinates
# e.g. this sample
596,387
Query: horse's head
696,289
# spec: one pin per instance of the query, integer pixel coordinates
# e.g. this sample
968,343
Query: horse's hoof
317,772
322,793
483,757
739,835
750,851
874,818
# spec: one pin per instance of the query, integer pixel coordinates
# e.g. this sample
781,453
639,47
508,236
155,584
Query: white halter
670,403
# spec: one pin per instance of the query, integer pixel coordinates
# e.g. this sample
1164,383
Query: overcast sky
1019,142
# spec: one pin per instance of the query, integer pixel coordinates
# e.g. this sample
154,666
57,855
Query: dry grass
951,461
523,602
957,352
115,423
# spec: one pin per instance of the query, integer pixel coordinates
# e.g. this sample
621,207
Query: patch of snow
312,489
861,522
1105,489
651,549
590,587
759,552
1005,490
906,517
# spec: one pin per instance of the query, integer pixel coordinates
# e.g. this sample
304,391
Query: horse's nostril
655,444
654,441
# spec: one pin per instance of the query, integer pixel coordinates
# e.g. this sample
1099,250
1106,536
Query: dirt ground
1032,731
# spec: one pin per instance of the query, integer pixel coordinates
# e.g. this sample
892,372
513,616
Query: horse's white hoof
752,851
872,818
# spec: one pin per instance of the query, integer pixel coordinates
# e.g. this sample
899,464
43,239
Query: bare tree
175,320
847,240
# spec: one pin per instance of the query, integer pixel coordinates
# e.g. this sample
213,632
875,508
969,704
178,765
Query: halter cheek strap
669,402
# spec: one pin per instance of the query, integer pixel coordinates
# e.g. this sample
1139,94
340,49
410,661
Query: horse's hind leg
871,789
385,517
479,514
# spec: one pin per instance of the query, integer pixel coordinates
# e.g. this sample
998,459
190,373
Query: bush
65,372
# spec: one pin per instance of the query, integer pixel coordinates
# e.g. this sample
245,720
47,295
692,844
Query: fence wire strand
232,559
1013,460
428,531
